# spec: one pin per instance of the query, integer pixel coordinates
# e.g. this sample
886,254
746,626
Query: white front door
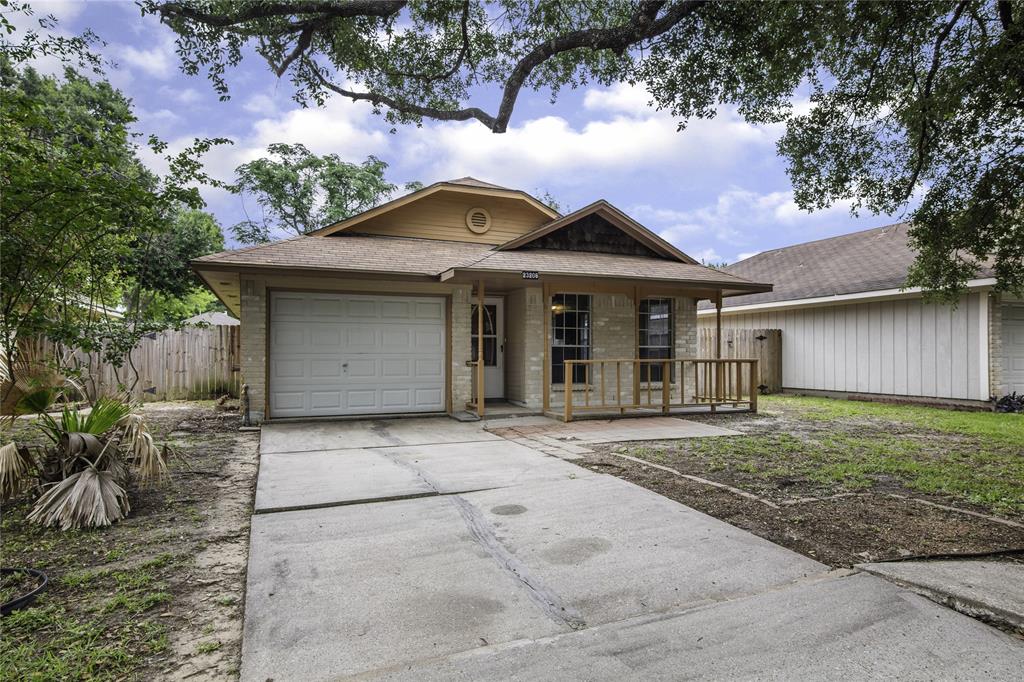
494,346
1013,348
342,354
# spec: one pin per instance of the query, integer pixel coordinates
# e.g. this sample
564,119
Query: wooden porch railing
691,382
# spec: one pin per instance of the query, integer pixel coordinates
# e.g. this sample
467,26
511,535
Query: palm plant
84,471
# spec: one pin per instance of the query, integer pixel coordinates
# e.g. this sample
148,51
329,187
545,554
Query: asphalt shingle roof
402,255
869,260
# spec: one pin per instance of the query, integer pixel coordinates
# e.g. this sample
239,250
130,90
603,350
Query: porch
571,348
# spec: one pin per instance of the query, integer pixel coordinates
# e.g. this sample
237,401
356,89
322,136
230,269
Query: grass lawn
802,447
977,457
156,594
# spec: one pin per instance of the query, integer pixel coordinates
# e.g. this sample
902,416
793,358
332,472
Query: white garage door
1013,347
340,354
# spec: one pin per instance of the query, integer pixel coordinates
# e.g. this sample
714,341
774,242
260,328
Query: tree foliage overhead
298,191
908,100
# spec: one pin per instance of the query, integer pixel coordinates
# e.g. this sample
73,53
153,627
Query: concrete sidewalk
990,590
479,558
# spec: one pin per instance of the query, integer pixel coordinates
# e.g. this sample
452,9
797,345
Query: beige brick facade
462,375
613,326
996,382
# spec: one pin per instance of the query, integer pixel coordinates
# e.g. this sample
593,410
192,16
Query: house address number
531,274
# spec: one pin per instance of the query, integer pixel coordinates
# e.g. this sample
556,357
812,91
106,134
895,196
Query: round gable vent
478,220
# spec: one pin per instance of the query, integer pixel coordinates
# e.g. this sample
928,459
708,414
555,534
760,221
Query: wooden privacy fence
763,344
617,385
191,363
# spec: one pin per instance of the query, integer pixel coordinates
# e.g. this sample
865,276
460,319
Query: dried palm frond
150,460
74,444
87,498
15,470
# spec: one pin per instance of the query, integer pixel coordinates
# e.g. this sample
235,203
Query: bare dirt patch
843,484
158,595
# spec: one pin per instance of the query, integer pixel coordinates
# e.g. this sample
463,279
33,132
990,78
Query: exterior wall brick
533,379
462,375
686,344
996,378
253,344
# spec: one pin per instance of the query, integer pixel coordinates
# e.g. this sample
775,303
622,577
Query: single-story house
849,326
387,312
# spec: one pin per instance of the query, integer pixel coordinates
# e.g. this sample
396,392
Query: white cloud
180,95
260,104
623,136
158,61
708,255
739,217
338,128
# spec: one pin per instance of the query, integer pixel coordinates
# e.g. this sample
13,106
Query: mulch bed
839,532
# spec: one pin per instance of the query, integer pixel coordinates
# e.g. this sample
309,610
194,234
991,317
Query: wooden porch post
719,377
546,312
480,349
636,348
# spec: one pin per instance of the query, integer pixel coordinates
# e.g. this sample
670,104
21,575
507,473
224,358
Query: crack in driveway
482,532
548,601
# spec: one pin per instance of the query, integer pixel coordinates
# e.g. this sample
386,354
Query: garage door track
432,549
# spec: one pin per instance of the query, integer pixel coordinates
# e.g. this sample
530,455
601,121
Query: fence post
753,386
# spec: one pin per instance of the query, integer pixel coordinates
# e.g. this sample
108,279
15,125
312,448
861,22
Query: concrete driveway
432,549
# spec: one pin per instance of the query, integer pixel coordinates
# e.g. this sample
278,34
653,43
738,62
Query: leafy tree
84,226
164,288
907,99
298,191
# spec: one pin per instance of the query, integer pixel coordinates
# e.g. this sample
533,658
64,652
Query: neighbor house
387,312
850,328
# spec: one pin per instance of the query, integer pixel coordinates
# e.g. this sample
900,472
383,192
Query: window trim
645,368
551,344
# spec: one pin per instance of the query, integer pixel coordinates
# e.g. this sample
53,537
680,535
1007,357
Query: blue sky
717,190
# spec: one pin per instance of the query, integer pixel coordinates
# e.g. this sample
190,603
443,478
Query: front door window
490,335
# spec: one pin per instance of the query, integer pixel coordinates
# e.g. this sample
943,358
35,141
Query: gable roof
466,185
870,260
614,216
407,256
473,182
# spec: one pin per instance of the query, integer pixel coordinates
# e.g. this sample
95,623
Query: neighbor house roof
871,260
215,318
428,257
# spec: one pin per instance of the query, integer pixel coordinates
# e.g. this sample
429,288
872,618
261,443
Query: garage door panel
325,368
429,339
396,310
288,369
290,305
429,367
336,354
319,400
430,311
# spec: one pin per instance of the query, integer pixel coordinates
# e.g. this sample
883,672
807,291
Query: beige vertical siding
443,216
896,347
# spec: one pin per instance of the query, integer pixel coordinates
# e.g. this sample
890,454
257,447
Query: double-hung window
570,335
655,336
